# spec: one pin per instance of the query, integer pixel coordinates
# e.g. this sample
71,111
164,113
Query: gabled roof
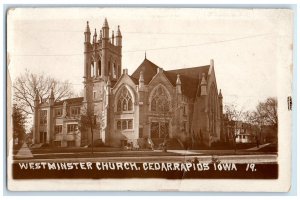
77,100
189,76
149,68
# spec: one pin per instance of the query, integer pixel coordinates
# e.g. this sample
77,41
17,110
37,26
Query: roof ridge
186,68
70,99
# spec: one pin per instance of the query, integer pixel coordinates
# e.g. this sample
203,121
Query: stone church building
151,104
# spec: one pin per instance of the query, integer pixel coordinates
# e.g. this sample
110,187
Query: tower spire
95,37
87,33
119,32
119,37
105,24
105,30
87,29
220,94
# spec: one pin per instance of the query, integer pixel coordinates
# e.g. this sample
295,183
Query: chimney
159,70
125,71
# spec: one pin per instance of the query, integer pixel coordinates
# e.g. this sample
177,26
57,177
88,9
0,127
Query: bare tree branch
27,85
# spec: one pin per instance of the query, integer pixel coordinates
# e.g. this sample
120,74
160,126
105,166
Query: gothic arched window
124,102
92,70
99,67
160,101
114,71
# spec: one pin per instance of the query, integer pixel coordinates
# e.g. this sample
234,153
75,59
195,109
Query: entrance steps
172,143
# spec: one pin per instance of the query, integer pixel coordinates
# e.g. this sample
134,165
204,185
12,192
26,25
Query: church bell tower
102,68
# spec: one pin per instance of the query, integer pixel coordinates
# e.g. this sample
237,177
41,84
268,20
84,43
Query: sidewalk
24,152
257,148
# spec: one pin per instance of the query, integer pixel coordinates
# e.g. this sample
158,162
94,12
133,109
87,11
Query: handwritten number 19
250,167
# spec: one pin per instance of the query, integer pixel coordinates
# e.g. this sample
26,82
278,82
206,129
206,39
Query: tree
266,115
266,112
18,124
234,116
88,122
27,85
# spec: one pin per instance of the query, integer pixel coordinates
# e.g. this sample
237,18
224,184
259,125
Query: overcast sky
248,46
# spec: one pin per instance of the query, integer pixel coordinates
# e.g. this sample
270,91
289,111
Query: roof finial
145,55
87,29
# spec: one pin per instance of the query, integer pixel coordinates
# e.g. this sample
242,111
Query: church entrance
159,129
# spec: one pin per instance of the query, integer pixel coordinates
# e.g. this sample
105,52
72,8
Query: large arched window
124,102
99,68
114,71
159,101
92,70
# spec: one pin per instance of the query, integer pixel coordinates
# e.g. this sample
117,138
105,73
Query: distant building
152,103
244,133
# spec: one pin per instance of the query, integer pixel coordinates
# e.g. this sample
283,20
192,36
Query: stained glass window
159,101
124,101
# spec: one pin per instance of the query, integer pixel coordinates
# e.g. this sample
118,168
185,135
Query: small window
124,124
119,127
94,95
71,128
43,117
75,111
58,112
58,129
130,124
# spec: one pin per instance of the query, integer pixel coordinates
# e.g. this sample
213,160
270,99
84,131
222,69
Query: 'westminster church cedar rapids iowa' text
151,104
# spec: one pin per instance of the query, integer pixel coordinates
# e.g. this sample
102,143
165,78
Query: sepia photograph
149,99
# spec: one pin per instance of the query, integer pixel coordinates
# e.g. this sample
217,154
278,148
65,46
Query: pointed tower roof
100,34
220,94
119,32
87,29
105,24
